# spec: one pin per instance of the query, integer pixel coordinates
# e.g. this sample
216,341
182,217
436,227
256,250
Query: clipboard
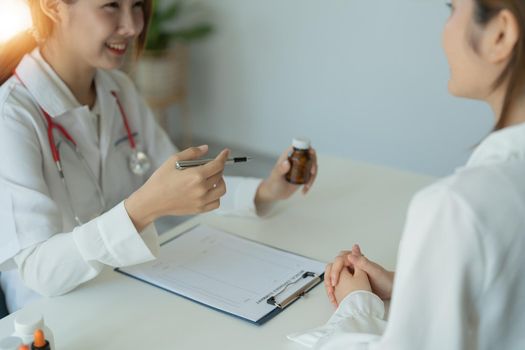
231,274
298,293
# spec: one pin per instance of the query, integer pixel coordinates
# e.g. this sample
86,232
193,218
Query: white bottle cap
28,323
10,343
301,143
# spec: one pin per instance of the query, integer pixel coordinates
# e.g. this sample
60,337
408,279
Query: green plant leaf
159,37
169,13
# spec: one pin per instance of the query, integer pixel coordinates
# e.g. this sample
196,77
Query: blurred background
362,79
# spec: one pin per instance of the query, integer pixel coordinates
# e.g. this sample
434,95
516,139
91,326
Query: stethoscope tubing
52,125
125,120
69,139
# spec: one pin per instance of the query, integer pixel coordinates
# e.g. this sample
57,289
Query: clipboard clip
296,295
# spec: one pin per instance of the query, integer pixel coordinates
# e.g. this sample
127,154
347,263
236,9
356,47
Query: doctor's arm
49,260
434,297
66,260
245,196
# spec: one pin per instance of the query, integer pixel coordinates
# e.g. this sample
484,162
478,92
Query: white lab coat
460,279
41,247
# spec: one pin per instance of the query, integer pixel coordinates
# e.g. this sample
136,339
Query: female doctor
460,280
85,169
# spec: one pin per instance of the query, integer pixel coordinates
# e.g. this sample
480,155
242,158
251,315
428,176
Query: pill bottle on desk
300,162
26,323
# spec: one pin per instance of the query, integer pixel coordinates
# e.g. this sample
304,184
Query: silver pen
183,164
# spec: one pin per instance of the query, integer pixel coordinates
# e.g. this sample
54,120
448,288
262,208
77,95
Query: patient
460,272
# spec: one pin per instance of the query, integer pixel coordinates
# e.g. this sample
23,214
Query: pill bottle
26,323
300,162
10,343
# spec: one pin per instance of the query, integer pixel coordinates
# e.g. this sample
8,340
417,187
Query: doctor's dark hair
12,52
514,72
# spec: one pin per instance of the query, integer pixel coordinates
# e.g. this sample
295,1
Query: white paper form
226,272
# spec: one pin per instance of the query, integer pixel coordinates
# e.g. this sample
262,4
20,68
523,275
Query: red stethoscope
139,162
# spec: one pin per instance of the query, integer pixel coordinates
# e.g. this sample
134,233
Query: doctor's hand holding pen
169,192
198,189
352,271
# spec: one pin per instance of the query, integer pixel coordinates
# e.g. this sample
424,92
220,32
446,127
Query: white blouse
42,249
460,278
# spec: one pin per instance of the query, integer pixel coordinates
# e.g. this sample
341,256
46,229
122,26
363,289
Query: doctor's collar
49,91
105,83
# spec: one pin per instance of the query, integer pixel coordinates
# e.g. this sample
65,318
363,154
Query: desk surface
351,203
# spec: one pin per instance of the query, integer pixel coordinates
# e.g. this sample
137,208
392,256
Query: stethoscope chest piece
139,162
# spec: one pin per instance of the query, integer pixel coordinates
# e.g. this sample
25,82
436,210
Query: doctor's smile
118,49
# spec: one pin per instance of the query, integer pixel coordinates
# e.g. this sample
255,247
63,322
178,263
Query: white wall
364,79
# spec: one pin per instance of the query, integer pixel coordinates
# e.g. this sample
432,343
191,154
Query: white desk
351,202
